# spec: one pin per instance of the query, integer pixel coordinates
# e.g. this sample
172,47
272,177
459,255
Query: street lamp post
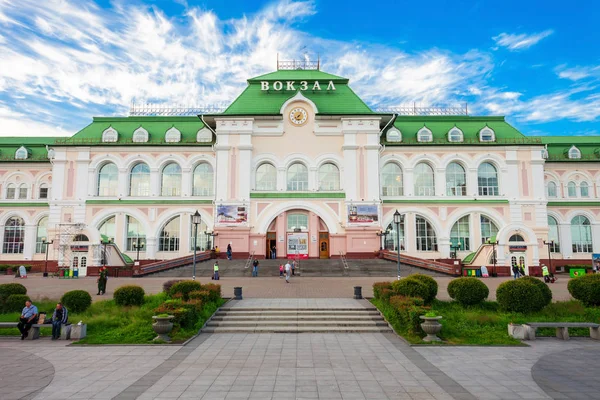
384,234
105,242
550,244
46,243
494,243
454,248
208,240
397,220
137,246
196,220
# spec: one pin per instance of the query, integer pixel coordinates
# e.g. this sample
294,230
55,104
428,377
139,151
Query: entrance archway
297,233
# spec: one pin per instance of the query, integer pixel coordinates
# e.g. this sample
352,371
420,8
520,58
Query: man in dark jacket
59,318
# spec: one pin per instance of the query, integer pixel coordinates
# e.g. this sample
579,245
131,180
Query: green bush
129,296
378,287
408,310
203,295
410,287
215,291
546,292
168,284
468,291
76,301
520,295
184,288
14,267
11,288
431,284
15,303
385,294
185,314
586,289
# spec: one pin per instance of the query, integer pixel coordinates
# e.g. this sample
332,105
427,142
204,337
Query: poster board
363,214
232,214
297,243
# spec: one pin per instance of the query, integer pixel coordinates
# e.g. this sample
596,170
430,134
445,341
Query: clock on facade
298,116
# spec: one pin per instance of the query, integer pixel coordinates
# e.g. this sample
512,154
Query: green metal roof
254,101
125,126
36,147
558,148
470,126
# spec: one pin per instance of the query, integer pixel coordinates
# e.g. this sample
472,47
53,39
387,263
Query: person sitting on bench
28,317
59,317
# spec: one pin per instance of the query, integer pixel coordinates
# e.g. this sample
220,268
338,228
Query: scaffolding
64,238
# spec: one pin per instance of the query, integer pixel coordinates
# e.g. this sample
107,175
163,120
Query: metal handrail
419,262
344,260
167,264
249,260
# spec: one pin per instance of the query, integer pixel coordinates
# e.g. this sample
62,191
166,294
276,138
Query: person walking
60,316
229,252
546,274
102,279
281,270
522,269
255,267
29,316
216,271
288,272
515,270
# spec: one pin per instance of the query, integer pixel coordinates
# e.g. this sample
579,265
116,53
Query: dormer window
22,153
424,135
204,135
487,135
574,153
455,135
110,135
393,135
140,135
173,136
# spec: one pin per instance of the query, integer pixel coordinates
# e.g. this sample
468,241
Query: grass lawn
108,323
485,324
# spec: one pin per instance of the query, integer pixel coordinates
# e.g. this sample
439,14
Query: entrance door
271,243
518,259
323,244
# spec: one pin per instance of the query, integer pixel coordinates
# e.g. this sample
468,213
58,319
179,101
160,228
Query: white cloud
523,41
578,73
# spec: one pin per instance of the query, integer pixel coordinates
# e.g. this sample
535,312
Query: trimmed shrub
431,284
378,287
468,291
215,291
408,310
410,287
129,296
11,288
546,292
185,287
385,294
520,295
586,289
15,303
203,295
76,301
168,284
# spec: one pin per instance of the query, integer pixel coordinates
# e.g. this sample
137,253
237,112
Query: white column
440,183
409,186
281,179
444,247
410,234
122,183
596,237
186,183
154,182
29,241
472,185
151,247
566,241
313,179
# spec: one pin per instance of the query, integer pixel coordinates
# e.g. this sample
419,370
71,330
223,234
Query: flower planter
431,327
162,326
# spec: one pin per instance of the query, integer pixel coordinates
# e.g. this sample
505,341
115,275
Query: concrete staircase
296,320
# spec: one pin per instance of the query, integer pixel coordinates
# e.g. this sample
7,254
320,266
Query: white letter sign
289,85
264,85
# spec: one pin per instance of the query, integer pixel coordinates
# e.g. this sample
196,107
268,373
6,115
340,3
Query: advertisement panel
596,262
297,243
363,214
230,214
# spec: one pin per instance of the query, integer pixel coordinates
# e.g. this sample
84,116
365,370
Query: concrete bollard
358,292
237,292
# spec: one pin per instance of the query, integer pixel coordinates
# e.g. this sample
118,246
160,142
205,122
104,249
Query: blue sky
64,61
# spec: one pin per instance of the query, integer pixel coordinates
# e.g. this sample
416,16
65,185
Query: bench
562,329
34,332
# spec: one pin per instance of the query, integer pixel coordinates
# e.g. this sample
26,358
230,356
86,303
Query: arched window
23,191
81,238
139,180
173,135
266,177
487,179
424,135
42,234
584,189
393,135
552,192
489,230
204,240
135,234
581,234
169,236
297,221
107,228
11,191
110,135
572,189
455,135
516,238
460,235
329,177
140,135
574,153
392,183
297,177
171,180
553,235
204,135
14,236
487,135
43,191
456,180
426,239
108,178
391,240
424,180
22,153
203,180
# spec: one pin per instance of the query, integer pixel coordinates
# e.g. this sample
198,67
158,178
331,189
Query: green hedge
410,287
520,295
378,288
408,310
14,267
214,290
546,292
184,288
15,303
586,289
130,295
11,288
468,290
431,284
76,301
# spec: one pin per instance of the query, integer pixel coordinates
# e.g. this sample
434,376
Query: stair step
296,329
251,324
302,312
238,309
227,317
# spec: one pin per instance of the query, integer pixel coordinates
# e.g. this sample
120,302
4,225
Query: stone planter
518,331
431,327
162,326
